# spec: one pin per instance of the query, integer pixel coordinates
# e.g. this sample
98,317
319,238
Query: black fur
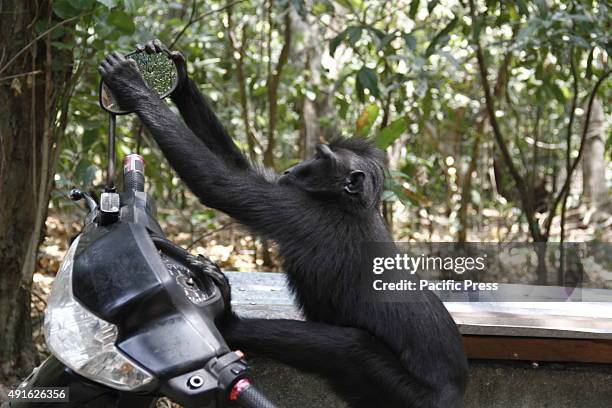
376,354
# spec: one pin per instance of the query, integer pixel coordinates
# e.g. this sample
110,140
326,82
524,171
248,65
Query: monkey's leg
363,370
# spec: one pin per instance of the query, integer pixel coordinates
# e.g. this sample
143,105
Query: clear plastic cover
84,342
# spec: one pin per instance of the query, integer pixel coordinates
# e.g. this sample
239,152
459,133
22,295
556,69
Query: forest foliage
283,75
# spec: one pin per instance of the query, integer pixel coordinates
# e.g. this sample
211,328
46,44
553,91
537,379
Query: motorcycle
131,316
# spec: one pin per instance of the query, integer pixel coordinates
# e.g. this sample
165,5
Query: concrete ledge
538,316
491,386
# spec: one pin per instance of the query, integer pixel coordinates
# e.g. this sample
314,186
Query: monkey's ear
354,182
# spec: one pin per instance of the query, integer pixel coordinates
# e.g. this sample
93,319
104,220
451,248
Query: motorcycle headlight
83,341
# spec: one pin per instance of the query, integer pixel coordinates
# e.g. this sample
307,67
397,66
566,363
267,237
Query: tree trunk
595,190
466,192
395,152
308,129
238,54
274,80
310,133
31,94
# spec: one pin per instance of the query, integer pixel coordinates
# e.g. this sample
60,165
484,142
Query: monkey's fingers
110,60
105,66
149,47
118,56
177,56
159,46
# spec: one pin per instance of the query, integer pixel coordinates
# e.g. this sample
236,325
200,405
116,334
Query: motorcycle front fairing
82,392
164,323
122,278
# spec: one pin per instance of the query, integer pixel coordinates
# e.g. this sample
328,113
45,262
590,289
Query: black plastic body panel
113,279
138,208
122,279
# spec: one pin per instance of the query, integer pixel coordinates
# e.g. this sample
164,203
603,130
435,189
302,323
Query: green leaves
132,6
366,120
388,135
82,4
85,172
397,187
367,79
414,7
528,31
108,3
522,7
65,10
410,41
122,21
433,101
90,136
441,38
353,34
118,19
555,91
432,5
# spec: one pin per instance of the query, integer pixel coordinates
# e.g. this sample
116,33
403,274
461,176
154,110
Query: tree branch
41,35
570,127
38,71
524,194
272,84
561,269
239,61
565,189
193,19
194,7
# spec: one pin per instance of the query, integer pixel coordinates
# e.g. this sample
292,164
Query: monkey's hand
156,46
212,270
122,76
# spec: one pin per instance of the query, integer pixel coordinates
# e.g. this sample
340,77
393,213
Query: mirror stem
110,172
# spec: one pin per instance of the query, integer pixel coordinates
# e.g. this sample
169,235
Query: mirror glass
158,71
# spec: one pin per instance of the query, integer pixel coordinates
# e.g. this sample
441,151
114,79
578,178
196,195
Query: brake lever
76,195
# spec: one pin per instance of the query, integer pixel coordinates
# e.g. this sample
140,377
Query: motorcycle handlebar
248,396
133,173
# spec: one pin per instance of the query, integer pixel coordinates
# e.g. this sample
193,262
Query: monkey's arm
360,366
206,126
196,112
267,208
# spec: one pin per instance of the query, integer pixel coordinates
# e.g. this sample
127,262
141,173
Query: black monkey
381,354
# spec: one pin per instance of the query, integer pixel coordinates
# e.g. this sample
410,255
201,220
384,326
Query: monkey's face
329,172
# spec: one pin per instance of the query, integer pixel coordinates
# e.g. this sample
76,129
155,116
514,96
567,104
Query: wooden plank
538,349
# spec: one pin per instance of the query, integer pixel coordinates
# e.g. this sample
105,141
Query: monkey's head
347,169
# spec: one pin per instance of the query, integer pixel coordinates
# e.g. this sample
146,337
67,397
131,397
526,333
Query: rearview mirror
158,71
